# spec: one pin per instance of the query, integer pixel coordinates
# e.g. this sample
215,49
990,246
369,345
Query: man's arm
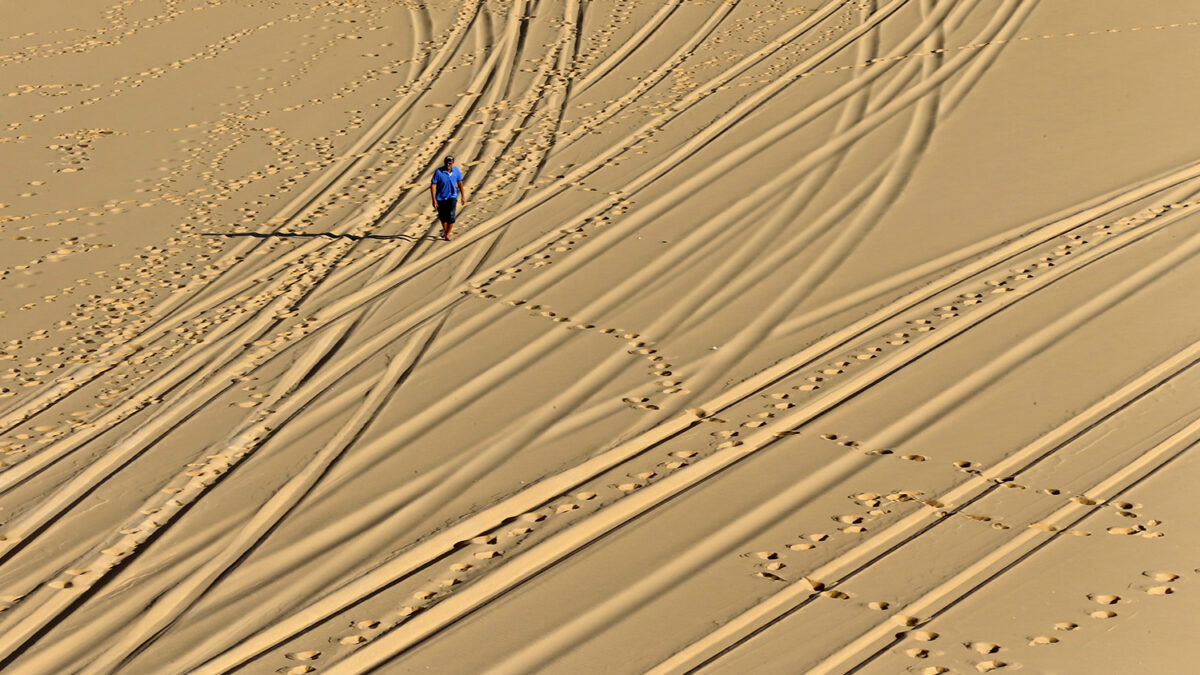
462,194
433,194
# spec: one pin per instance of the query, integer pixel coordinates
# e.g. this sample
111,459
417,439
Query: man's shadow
315,235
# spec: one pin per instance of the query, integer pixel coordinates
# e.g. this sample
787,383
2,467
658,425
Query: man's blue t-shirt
447,183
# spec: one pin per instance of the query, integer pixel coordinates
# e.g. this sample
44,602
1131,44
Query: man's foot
446,235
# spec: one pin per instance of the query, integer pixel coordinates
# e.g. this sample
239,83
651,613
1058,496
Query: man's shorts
447,209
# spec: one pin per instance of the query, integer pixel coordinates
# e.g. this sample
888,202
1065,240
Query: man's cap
449,158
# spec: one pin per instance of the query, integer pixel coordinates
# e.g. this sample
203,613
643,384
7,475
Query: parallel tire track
550,487
536,559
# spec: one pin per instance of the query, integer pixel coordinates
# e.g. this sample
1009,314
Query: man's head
449,161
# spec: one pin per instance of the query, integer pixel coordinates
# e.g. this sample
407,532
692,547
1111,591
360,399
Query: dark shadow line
314,235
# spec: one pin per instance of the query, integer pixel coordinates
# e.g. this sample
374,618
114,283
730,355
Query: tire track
521,433
319,355
895,5
497,221
631,45
168,608
387,511
648,82
332,179
1019,548
954,97
336,309
737,631
744,64
53,453
538,349
134,443
552,486
76,380
928,269
533,561
422,25
810,186
351,324
907,156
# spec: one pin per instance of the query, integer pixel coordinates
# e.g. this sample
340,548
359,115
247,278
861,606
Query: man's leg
445,218
448,223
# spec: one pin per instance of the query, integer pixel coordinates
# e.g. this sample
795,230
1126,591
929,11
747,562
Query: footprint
1160,576
983,647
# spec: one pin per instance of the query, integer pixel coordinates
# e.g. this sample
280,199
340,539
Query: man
446,189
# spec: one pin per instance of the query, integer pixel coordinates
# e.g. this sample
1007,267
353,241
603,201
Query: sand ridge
741,359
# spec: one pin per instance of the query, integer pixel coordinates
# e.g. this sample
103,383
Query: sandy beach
772,337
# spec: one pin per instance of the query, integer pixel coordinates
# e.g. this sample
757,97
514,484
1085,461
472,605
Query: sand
772,337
